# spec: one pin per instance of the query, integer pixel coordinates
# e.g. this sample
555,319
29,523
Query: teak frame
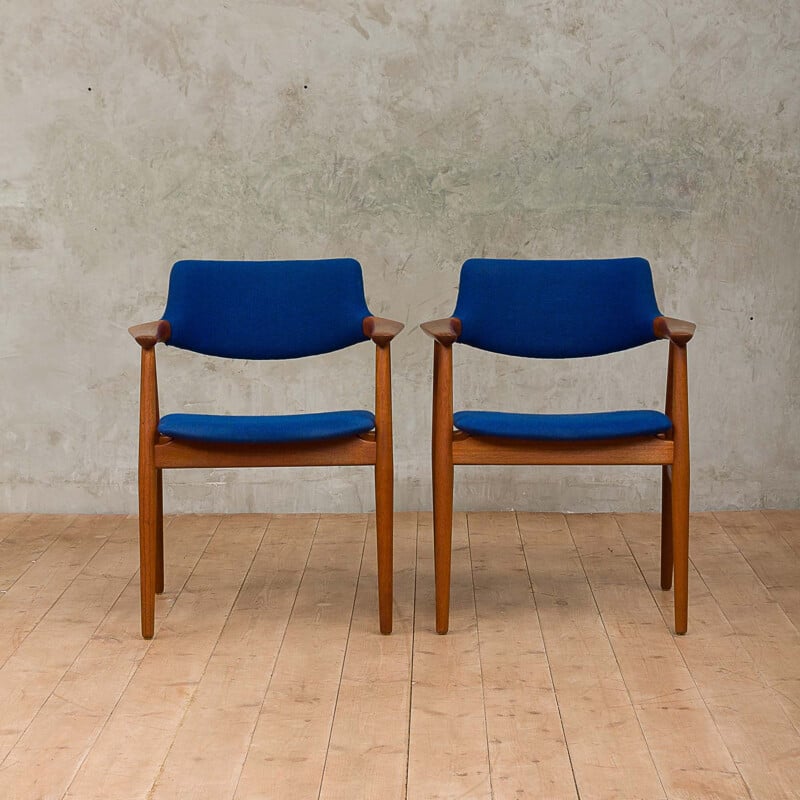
671,451
157,453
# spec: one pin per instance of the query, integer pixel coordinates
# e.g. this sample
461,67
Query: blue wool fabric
266,309
562,427
267,429
556,309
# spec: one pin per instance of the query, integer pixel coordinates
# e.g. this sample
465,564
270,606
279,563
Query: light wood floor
267,678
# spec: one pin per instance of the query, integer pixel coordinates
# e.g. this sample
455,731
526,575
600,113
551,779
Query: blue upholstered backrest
556,309
266,309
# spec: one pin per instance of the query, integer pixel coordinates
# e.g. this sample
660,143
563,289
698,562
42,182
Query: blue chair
561,309
263,310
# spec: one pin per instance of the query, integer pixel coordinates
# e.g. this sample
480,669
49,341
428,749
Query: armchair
561,309
263,310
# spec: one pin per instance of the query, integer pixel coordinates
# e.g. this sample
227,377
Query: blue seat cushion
562,427
266,429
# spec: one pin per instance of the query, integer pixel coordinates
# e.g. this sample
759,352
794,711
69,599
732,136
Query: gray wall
411,136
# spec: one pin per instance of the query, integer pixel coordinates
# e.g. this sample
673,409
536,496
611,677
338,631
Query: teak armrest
678,331
381,330
149,334
445,331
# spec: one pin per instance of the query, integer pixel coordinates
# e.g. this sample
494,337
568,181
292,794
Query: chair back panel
556,309
266,309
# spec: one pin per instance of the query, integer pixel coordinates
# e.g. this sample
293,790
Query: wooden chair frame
451,447
157,453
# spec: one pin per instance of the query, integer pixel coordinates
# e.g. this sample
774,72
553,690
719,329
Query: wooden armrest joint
149,334
678,331
445,331
381,330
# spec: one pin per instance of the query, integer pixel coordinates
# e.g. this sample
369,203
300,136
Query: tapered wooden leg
680,544
666,529
159,531
442,468
384,484
680,489
442,532
148,491
384,490
148,546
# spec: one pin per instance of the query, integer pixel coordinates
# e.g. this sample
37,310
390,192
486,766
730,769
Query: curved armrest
149,334
676,330
381,330
445,331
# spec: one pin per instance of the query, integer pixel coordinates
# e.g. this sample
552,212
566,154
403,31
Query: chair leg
442,469
384,484
384,512
680,543
666,529
159,531
148,545
678,400
442,531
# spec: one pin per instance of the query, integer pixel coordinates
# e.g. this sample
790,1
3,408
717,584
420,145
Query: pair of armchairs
533,309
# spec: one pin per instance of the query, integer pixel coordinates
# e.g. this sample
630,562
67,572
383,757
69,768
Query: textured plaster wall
411,136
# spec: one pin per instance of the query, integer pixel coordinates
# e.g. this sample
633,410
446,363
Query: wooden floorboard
787,525
223,711
448,746
561,676
746,711
154,701
289,745
687,749
608,750
60,737
527,749
9,523
368,749
25,541
32,672
761,624
773,560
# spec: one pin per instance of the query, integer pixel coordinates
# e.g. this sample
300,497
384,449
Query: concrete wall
411,136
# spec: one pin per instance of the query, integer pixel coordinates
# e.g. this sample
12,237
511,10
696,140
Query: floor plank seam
277,655
684,661
91,744
191,699
744,639
71,521
411,663
66,670
616,658
758,578
768,589
736,762
66,588
144,654
344,661
547,657
15,527
39,556
90,639
781,535
480,657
